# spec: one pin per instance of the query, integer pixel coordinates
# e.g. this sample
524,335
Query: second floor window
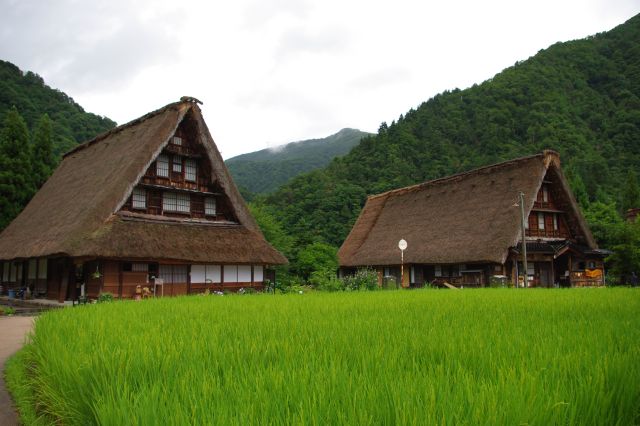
176,140
177,164
139,198
190,170
162,165
541,221
176,202
210,206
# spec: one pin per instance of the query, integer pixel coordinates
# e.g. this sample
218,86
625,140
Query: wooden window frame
176,202
176,164
208,211
139,267
139,199
541,224
162,160
190,170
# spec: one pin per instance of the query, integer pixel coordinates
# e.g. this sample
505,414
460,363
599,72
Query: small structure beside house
465,230
146,207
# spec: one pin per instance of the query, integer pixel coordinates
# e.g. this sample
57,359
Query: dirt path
13,331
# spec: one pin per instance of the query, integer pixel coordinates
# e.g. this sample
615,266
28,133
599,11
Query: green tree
626,254
43,160
272,229
631,192
16,185
317,257
604,222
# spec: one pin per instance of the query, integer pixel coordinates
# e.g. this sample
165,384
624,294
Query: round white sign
402,245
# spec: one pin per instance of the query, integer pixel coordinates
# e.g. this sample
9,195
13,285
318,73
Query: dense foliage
266,170
473,357
580,98
27,158
33,98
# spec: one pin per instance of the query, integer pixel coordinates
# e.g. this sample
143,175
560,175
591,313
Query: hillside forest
37,125
266,170
580,98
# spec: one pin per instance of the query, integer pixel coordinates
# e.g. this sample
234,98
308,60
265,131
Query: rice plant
404,357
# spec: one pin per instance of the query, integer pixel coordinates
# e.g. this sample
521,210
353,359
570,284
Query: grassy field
478,357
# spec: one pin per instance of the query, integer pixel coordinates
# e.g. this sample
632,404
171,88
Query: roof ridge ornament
190,99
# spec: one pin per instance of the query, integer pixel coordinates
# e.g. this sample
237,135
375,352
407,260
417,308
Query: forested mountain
38,124
266,170
580,98
32,98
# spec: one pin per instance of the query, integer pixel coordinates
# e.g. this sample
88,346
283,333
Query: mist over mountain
266,170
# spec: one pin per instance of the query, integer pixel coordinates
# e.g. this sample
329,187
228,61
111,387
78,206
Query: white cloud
274,71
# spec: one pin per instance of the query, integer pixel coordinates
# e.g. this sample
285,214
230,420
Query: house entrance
544,271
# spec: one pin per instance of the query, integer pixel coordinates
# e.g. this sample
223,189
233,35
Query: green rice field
476,357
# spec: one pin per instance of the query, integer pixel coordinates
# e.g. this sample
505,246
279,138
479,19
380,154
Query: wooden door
546,280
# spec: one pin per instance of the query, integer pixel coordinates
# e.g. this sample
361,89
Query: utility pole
524,241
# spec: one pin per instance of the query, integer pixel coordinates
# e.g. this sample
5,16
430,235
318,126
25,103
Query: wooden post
221,277
252,278
189,278
120,279
101,266
64,281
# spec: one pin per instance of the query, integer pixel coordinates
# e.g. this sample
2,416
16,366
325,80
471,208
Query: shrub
363,279
7,310
105,297
326,280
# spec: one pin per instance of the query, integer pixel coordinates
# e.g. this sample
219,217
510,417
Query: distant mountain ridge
32,98
266,170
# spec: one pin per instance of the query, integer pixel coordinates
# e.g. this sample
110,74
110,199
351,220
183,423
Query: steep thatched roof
465,218
75,212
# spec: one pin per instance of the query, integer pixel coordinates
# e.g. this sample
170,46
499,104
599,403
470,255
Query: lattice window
190,170
165,272
42,268
177,164
176,202
140,267
210,206
555,221
162,165
33,265
541,221
176,140
139,198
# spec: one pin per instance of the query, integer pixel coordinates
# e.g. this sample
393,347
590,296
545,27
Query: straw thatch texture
465,218
74,212
130,239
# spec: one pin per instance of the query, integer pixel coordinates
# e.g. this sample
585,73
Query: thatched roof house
151,197
466,228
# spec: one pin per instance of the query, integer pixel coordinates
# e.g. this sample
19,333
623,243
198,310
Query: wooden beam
120,280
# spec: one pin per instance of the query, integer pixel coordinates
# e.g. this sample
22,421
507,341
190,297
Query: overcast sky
276,71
